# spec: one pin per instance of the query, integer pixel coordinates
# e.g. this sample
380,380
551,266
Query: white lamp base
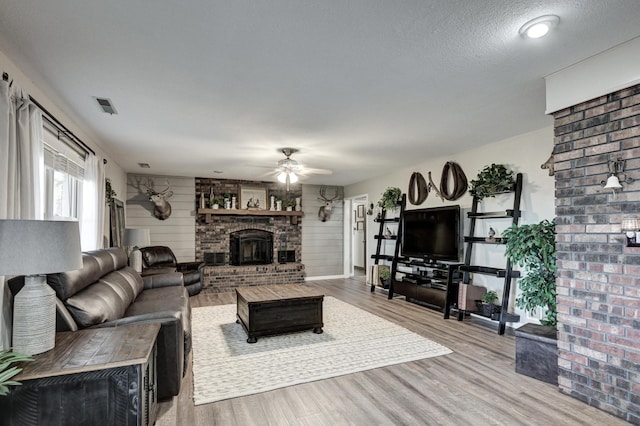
34,317
135,259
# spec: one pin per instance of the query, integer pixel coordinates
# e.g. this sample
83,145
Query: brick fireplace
217,234
598,283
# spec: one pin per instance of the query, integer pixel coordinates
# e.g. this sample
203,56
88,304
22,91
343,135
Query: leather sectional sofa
108,293
161,260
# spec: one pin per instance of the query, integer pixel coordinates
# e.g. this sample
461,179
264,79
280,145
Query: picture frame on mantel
253,198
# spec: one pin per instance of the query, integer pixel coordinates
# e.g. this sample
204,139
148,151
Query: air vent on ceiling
106,105
144,165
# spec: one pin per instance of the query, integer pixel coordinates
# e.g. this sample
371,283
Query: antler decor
324,213
161,207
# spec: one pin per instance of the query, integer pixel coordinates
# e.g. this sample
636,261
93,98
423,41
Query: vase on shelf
272,201
298,206
279,205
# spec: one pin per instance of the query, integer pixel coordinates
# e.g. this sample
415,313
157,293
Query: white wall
522,154
177,231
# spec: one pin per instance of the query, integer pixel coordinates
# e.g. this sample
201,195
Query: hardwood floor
476,384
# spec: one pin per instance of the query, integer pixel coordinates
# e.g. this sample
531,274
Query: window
63,177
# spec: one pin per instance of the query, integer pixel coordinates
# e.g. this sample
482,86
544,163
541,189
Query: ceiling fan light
293,178
282,177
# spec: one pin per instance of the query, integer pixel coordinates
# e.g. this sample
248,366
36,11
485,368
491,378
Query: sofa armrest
189,266
163,280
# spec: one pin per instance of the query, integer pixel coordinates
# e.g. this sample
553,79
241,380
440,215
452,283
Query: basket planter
537,352
385,283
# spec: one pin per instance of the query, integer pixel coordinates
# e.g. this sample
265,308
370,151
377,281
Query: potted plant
492,180
215,202
289,205
389,199
533,247
385,278
109,193
7,371
489,303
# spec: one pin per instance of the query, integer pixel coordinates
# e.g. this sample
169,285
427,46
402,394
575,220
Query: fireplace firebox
251,247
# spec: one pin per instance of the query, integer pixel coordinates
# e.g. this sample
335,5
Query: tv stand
433,284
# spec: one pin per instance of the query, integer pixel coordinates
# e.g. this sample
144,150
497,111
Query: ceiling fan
289,170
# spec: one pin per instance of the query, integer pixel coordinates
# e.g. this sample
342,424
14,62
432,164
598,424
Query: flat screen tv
432,234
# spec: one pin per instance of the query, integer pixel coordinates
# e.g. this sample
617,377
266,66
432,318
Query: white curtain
93,204
21,173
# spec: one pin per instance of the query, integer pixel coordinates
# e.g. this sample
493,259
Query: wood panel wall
322,242
176,232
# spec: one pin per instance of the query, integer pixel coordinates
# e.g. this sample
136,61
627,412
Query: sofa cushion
95,264
107,299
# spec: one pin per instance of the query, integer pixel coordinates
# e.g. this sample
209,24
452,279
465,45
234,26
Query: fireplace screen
251,247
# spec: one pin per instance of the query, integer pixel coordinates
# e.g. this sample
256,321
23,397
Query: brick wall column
598,281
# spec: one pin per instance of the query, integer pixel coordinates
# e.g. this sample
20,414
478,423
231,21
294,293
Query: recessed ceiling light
218,171
539,27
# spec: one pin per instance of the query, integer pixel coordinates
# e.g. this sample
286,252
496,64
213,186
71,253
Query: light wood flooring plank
476,384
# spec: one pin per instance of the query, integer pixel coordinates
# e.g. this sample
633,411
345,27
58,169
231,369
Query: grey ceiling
356,85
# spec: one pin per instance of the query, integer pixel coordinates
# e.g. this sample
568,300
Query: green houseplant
385,278
491,180
389,199
109,193
533,247
489,303
7,371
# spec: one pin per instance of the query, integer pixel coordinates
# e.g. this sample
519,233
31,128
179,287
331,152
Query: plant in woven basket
490,297
7,371
389,199
491,180
534,247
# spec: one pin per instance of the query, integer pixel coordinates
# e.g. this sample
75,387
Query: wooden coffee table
277,309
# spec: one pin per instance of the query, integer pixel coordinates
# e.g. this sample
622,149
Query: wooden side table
94,376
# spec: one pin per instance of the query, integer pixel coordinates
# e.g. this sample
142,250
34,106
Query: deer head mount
324,213
161,207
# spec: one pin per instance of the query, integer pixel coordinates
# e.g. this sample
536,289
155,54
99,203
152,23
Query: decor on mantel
533,246
253,198
35,248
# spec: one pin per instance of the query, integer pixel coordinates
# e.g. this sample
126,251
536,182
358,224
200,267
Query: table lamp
136,238
35,248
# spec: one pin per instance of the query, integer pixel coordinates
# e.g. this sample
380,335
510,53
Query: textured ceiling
356,85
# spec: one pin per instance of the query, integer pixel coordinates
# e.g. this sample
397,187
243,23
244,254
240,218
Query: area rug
226,366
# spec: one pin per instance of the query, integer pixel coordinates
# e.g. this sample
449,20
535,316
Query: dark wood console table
102,376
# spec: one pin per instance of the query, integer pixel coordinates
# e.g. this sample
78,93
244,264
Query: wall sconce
631,228
616,176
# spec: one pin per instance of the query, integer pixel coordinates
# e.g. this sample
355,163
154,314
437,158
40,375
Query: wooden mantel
245,212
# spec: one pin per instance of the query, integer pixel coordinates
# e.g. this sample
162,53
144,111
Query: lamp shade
137,237
37,247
